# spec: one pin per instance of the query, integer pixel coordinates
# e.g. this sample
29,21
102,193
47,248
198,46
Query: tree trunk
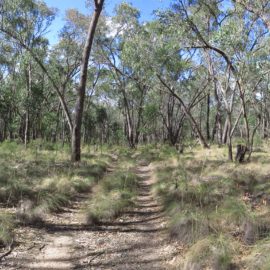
265,124
240,153
29,86
140,112
217,129
225,131
208,137
26,128
78,111
229,137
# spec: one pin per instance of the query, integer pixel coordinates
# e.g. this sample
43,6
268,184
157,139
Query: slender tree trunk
129,127
217,129
26,128
140,112
229,137
208,137
9,132
29,86
265,124
78,112
225,131
242,97
63,129
54,139
201,117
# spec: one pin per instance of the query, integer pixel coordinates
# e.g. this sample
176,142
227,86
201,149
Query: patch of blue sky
146,8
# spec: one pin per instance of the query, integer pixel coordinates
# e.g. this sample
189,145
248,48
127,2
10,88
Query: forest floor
135,240
146,209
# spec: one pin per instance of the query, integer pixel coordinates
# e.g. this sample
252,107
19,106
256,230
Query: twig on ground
97,255
43,246
11,247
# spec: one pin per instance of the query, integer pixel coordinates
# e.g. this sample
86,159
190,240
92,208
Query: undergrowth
116,192
6,229
41,179
214,205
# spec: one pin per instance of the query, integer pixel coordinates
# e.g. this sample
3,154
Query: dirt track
136,240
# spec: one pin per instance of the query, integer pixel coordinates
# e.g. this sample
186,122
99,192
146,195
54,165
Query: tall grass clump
258,258
6,229
188,227
117,192
212,252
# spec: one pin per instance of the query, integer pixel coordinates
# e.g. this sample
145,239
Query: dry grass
212,252
115,193
39,180
258,258
206,196
6,229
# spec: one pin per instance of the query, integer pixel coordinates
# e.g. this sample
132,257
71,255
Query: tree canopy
198,70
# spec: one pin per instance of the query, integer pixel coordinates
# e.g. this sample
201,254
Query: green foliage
126,14
211,55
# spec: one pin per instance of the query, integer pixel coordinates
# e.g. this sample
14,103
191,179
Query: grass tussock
6,229
258,258
212,252
188,227
206,196
117,192
41,178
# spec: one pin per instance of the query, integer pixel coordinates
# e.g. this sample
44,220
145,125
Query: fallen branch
97,255
43,246
32,246
11,247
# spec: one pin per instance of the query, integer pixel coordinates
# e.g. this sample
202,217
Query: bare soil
135,240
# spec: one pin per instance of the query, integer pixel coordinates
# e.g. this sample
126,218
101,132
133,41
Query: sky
146,8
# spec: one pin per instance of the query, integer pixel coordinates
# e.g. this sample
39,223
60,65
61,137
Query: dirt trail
136,240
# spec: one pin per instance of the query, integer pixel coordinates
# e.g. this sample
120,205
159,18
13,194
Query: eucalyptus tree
23,19
220,38
260,9
8,95
122,54
63,65
79,105
176,75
